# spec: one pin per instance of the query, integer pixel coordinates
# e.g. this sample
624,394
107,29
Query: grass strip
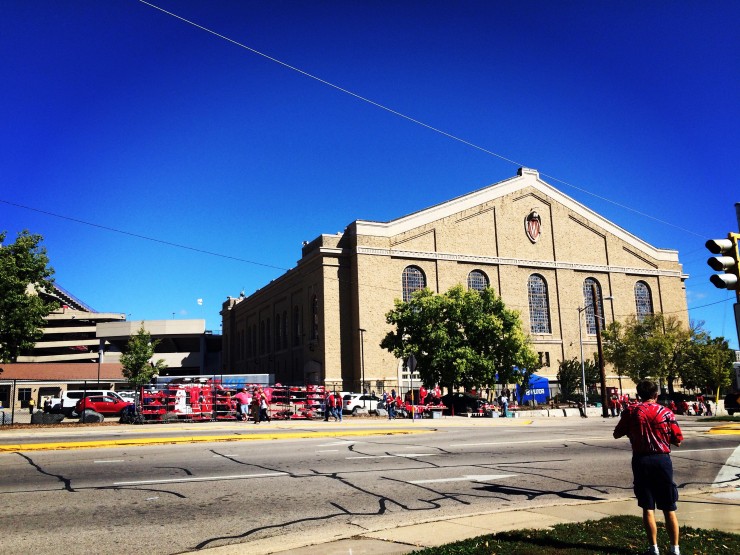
615,535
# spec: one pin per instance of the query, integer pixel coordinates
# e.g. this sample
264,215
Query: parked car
462,403
127,395
354,401
732,403
69,399
104,404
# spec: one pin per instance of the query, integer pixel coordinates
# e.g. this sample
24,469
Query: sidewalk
711,510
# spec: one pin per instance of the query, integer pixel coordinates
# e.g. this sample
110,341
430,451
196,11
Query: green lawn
721,419
622,535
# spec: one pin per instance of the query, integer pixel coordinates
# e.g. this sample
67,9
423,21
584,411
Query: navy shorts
654,485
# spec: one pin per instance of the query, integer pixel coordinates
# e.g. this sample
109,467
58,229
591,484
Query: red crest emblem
533,226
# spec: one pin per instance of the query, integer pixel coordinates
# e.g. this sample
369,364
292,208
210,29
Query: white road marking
202,479
109,461
467,478
397,455
728,474
552,440
338,443
678,450
329,451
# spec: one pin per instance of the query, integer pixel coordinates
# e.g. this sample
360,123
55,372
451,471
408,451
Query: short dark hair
647,389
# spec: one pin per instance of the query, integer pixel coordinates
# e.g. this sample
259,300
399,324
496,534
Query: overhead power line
145,237
409,118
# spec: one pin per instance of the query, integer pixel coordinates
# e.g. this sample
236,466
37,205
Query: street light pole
583,365
362,363
600,348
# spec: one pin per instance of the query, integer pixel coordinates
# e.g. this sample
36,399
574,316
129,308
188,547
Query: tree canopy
570,376
662,348
138,367
24,273
460,338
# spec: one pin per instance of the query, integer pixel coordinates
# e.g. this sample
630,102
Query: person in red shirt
243,400
652,429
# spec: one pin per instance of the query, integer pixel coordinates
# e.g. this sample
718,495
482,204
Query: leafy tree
651,347
707,362
24,273
138,367
570,376
460,338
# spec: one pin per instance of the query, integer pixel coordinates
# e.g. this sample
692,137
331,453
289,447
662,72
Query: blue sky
139,124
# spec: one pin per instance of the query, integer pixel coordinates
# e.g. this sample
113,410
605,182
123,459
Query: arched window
314,318
254,340
296,326
588,303
278,332
477,280
539,308
412,280
285,329
643,300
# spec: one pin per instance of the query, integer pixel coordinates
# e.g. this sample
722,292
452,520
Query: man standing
243,400
652,429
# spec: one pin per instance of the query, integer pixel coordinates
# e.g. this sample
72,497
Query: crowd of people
699,407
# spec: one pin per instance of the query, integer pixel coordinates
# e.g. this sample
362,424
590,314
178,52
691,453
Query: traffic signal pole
729,262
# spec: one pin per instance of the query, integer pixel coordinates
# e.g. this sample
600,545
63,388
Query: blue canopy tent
538,389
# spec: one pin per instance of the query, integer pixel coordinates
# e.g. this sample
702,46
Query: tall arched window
285,329
254,339
588,303
477,280
412,280
539,308
643,300
314,318
296,326
278,332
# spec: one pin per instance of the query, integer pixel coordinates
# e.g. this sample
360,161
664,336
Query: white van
66,403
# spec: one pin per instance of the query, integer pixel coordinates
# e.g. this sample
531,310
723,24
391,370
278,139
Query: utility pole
600,347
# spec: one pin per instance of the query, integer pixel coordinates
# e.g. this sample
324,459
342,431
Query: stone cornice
499,261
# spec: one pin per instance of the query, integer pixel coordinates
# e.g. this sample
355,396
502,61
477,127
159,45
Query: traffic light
729,262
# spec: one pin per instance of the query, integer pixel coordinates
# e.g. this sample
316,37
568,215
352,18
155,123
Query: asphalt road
166,499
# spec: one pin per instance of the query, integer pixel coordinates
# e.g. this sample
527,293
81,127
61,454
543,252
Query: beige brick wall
357,287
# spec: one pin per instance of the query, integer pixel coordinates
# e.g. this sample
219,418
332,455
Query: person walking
264,412
652,429
337,406
504,405
242,399
256,411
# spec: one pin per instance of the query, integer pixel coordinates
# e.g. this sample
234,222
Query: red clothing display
651,428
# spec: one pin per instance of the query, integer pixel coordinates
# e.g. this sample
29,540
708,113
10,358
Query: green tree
570,377
707,362
24,274
136,359
460,338
652,347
